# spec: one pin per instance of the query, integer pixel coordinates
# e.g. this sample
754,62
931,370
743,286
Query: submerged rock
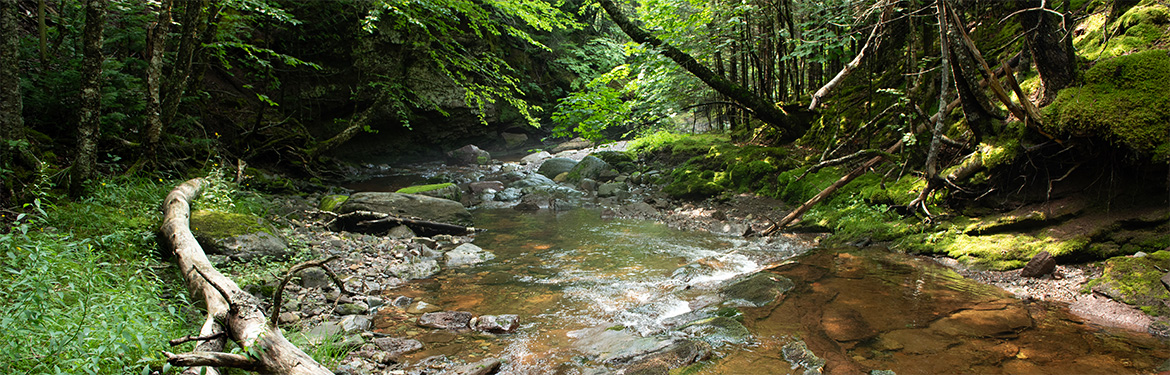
449,320
467,254
679,354
496,323
484,367
798,354
718,330
759,289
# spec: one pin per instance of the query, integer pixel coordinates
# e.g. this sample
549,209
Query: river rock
467,254
331,202
469,155
551,168
798,354
397,347
355,323
1041,264
514,140
414,269
615,346
718,330
421,307
531,181
679,354
484,367
496,323
400,232
611,189
509,194
315,278
535,157
352,308
448,320
759,289
572,144
587,185
479,187
984,323
408,205
590,167
238,237
843,324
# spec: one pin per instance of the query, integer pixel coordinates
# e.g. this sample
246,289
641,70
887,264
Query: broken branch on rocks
379,222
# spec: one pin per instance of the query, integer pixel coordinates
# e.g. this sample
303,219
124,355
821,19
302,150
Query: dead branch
240,319
278,296
373,222
853,64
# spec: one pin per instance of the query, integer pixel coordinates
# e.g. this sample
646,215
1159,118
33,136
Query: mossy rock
444,190
622,161
332,202
1124,100
227,224
995,252
1136,281
239,237
759,289
590,167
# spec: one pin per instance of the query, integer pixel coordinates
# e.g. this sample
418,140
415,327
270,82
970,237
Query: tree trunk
42,34
181,72
242,321
762,109
873,40
156,44
1051,47
976,108
11,102
89,111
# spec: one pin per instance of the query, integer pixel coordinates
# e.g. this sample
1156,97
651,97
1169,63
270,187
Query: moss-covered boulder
445,190
332,202
408,205
622,161
1124,100
238,237
590,167
551,168
1136,281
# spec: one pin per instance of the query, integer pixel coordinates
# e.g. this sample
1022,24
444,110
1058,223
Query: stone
414,269
535,157
587,185
289,318
1166,280
508,195
444,190
354,323
514,140
375,302
572,144
467,254
718,330
506,323
759,289
331,202
469,155
396,347
352,308
532,181
421,307
315,278
484,367
590,167
322,332
400,232
555,166
845,324
479,187
984,323
448,320
409,205
401,302
798,354
1041,264
677,355
611,189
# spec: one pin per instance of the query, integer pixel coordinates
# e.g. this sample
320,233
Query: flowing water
590,290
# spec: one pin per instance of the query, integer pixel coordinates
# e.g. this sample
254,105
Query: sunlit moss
1136,281
1138,28
996,252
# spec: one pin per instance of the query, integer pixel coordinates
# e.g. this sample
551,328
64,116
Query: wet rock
508,195
590,167
397,347
615,345
799,355
352,308
915,341
1166,280
444,190
531,181
480,187
484,367
984,323
843,324
469,155
401,302
467,254
677,355
355,323
551,168
718,330
535,157
415,269
331,202
587,185
448,320
1041,264
409,205
759,289
496,323
421,307
514,140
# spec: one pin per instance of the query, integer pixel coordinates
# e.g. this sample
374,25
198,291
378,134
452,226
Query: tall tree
89,112
156,44
11,103
761,107
1050,43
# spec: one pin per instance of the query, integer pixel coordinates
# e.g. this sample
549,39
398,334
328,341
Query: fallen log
377,222
231,312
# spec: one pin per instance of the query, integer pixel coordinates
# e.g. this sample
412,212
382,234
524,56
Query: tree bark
11,102
761,108
89,112
181,72
156,44
268,352
1051,47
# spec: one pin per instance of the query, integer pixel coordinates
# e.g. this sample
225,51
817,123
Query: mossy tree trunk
1049,41
89,113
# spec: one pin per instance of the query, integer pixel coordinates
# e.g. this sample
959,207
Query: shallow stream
590,291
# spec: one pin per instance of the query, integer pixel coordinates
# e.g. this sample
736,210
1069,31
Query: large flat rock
408,205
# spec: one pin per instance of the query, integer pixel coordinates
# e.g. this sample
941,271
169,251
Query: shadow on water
588,289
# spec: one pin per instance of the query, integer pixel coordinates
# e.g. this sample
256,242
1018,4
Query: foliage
1124,100
84,295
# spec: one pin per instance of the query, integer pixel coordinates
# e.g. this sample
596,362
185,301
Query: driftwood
378,222
231,312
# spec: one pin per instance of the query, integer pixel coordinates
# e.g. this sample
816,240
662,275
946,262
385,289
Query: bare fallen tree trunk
231,312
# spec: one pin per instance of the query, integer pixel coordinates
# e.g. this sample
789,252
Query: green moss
1124,100
216,224
676,144
1141,27
332,202
442,190
996,252
1136,281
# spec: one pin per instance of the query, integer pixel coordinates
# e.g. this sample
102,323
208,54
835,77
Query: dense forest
933,126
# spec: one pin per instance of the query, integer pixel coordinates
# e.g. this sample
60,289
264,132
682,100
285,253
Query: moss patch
1136,281
1124,100
995,252
1141,27
214,224
445,190
332,202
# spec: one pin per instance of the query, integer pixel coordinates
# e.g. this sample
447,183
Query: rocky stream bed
771,310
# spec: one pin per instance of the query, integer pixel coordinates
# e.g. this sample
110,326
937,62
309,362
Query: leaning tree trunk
89,113
231,312
1051,46
761,108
